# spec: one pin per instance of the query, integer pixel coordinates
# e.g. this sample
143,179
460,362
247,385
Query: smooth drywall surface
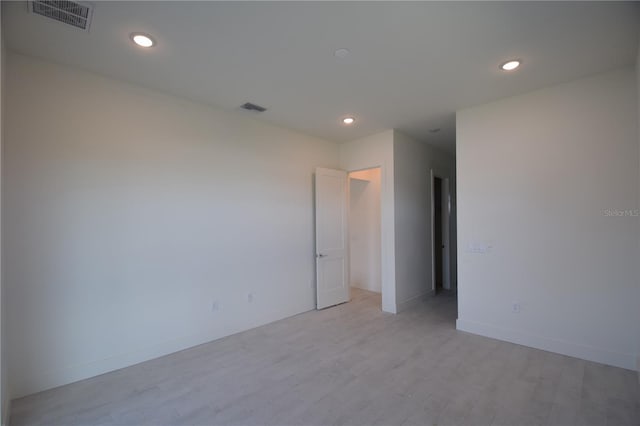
365,230
638,132
548,190
138,224
365,153
414,246
4,388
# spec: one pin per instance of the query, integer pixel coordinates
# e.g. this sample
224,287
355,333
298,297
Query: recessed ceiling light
342,53
348,120
142,40
510,65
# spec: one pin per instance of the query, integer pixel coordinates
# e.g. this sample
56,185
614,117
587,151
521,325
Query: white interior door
332,254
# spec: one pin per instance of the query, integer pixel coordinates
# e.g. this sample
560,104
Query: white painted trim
414,301
39,381
563,347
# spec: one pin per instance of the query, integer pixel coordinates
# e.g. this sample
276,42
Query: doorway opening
438,239
441,231
365,231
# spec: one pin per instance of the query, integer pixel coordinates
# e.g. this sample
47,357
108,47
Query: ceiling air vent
72,13
253,107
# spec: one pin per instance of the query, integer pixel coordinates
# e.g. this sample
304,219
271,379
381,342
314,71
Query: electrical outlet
215,306
250,297
516,307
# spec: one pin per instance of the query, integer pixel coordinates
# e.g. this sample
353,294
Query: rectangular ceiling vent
72,13
253,107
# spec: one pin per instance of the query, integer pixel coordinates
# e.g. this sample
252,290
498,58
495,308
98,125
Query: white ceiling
412,64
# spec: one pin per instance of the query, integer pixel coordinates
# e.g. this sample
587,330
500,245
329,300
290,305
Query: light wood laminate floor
349,365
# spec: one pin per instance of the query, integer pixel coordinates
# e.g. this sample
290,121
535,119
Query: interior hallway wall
377,151
4,376
365,230
414,241
137,223
406,219
638,272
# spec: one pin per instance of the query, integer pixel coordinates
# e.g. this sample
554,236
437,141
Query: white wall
413,248
365,153
4,394
129,212
638,131
365,230
536,176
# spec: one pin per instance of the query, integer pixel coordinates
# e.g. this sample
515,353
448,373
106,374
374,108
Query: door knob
320,255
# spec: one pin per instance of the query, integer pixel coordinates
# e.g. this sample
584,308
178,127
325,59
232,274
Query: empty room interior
320,213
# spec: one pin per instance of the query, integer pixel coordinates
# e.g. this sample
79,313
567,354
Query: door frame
387,259
388,266
446,234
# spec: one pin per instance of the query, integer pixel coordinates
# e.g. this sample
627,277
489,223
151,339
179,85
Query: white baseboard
414,301
37,382
563,347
